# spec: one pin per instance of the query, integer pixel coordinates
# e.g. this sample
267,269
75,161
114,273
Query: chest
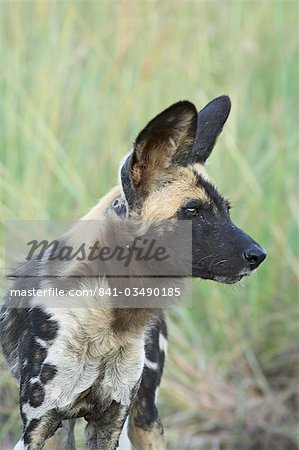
92,359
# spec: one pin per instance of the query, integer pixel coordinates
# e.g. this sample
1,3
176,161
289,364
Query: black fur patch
212,193
36,395
42,324
146,413
31,427
127,185
210,123
24,393
24,418
36,354
48,373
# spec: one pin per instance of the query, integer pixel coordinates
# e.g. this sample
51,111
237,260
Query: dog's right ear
167,140
210,123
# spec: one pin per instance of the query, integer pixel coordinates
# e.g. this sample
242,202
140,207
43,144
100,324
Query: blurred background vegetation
78,80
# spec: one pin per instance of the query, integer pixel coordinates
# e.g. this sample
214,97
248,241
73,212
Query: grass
78,80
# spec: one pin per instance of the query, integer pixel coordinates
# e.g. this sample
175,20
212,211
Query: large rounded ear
210,123
167,140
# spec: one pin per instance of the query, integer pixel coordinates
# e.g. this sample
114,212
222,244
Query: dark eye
192,212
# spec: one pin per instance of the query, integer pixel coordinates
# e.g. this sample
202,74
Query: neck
127,312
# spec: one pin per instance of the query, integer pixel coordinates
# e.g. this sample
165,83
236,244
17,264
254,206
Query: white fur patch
150,364
162,343
85,346
123,370
40,342
20,445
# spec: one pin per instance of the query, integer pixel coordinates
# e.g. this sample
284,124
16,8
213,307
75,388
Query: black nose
255,255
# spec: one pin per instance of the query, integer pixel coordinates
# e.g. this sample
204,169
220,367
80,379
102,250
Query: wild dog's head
164,178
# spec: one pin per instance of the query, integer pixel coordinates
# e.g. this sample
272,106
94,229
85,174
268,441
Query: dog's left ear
167,140
210,123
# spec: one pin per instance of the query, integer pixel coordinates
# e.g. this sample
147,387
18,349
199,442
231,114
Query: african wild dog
105,364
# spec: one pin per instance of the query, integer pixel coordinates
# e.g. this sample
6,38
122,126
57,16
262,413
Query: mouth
229,279
225,279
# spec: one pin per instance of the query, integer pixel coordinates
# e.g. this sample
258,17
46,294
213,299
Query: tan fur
158,149
97,213
151,439
89,232
91,331
164,204
62,439
100,350
55,442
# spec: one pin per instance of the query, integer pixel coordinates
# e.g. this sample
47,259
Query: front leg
104,428
63,438
114,393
